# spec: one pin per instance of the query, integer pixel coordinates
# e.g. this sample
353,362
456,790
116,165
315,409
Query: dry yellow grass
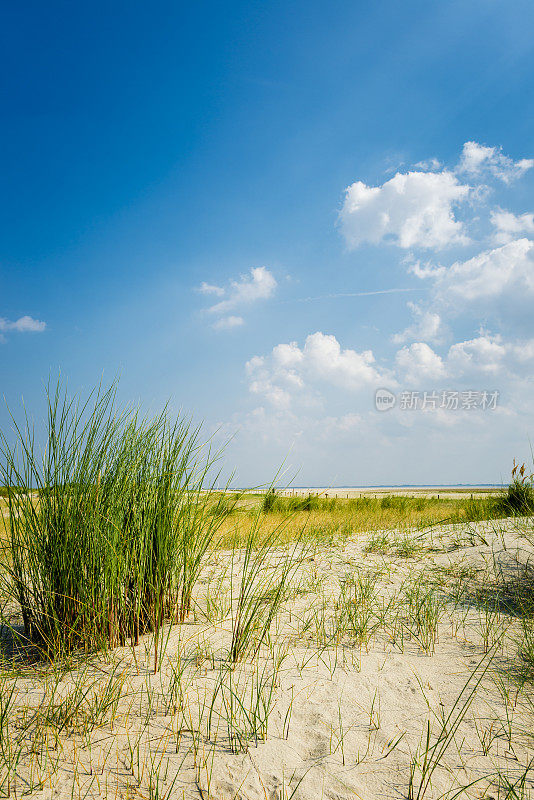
339,519
336,519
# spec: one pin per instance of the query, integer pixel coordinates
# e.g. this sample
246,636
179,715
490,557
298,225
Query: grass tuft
108,524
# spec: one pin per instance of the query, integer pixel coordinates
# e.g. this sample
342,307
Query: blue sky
152,150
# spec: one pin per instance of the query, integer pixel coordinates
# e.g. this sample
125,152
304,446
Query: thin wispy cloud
227,323
208,288
334,295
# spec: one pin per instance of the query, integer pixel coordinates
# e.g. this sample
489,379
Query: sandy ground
345,721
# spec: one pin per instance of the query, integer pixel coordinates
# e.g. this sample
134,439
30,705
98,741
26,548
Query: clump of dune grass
518,498
273,502
477,509
114,542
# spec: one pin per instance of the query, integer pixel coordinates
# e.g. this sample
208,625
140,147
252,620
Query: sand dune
315,714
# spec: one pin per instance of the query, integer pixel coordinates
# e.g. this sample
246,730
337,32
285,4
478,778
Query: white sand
366,708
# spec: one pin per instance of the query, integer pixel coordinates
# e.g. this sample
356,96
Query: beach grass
160,636
320,519
107,523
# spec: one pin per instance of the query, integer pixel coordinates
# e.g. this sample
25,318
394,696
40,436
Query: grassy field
319,519
161,639
328,520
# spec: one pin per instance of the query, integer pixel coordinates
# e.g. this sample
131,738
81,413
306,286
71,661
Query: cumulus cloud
492,355
290,371
494,287
287,356
509,226
486,355
508,269
477,160
427,326
25,324
496,283
271,382
419,362
260,284
415,209
346,368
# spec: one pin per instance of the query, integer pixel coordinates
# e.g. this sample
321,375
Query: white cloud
290,371
226,323
490,354
287,355
423,271
505,270
494,288
409,210
523,351
292,376
268,381
499,281
477,159
24,324
509,226
430,165
347,368
417,208
419,362
276,395
484,354
209,288
260,285
427,326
